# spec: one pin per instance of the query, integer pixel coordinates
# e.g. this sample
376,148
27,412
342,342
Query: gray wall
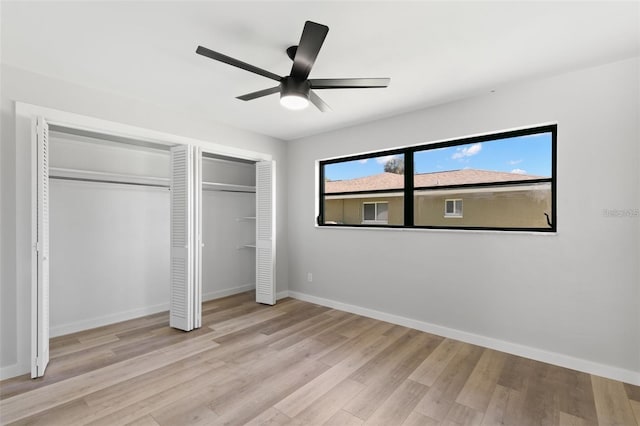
21,85
574,294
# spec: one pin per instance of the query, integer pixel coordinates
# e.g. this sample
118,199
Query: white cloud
514,162
385,159
363,161
519,171
467,152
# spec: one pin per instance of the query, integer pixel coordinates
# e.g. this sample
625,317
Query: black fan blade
310,43
319,103
348,83
259,94
236,63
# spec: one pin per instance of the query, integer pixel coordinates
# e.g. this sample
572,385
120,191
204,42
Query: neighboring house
471,198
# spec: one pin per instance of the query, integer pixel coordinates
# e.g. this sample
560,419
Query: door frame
26,261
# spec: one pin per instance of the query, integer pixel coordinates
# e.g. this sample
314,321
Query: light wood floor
300,364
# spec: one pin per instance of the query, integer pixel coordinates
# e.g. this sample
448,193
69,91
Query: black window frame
408,190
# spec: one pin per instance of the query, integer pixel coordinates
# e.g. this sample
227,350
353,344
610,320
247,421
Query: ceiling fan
296,89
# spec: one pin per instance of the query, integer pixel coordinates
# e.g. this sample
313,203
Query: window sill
434,230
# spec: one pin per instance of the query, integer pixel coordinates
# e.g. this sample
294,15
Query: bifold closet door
184,309
40,275
265,232
198,243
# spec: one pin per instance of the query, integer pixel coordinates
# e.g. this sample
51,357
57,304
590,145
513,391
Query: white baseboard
227,292
62,329
554,358
14,370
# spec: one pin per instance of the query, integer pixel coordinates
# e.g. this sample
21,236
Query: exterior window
367,191
453,208
507,181
375,212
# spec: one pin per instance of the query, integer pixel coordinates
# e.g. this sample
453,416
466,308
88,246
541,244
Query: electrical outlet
309,277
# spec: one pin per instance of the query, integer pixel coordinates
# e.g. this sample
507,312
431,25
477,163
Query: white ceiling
434,52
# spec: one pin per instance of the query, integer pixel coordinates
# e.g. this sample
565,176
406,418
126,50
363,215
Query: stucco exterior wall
506,209
349,210
513,209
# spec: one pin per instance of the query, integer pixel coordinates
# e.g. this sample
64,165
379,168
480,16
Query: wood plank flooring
300,364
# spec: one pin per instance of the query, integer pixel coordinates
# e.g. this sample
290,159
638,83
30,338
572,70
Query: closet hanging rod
230,190
126,179
105,177
240,191
153,185
227,187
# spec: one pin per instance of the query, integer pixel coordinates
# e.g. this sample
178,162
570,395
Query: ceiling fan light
294,94
294,101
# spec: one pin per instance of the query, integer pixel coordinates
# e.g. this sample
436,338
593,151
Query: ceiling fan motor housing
292,87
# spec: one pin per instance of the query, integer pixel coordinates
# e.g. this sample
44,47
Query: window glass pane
369,211
503,183
448,207
367,190
383,212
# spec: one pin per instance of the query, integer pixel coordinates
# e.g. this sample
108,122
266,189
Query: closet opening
124,227
109,229
228,217
237,211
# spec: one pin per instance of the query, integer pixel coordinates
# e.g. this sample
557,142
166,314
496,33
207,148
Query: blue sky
529,154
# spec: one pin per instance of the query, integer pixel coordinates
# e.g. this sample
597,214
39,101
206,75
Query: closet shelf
106,177
215,186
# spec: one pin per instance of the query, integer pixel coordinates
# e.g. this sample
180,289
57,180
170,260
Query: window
507,181
453,208
375,212
365,191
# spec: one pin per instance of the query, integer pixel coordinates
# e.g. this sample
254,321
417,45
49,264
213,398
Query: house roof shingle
393,181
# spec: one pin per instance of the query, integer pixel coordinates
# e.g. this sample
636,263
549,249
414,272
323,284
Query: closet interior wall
109,249
228,227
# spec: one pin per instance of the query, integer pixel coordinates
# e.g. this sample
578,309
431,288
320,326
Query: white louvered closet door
265,232
40,297
182,273
198,243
